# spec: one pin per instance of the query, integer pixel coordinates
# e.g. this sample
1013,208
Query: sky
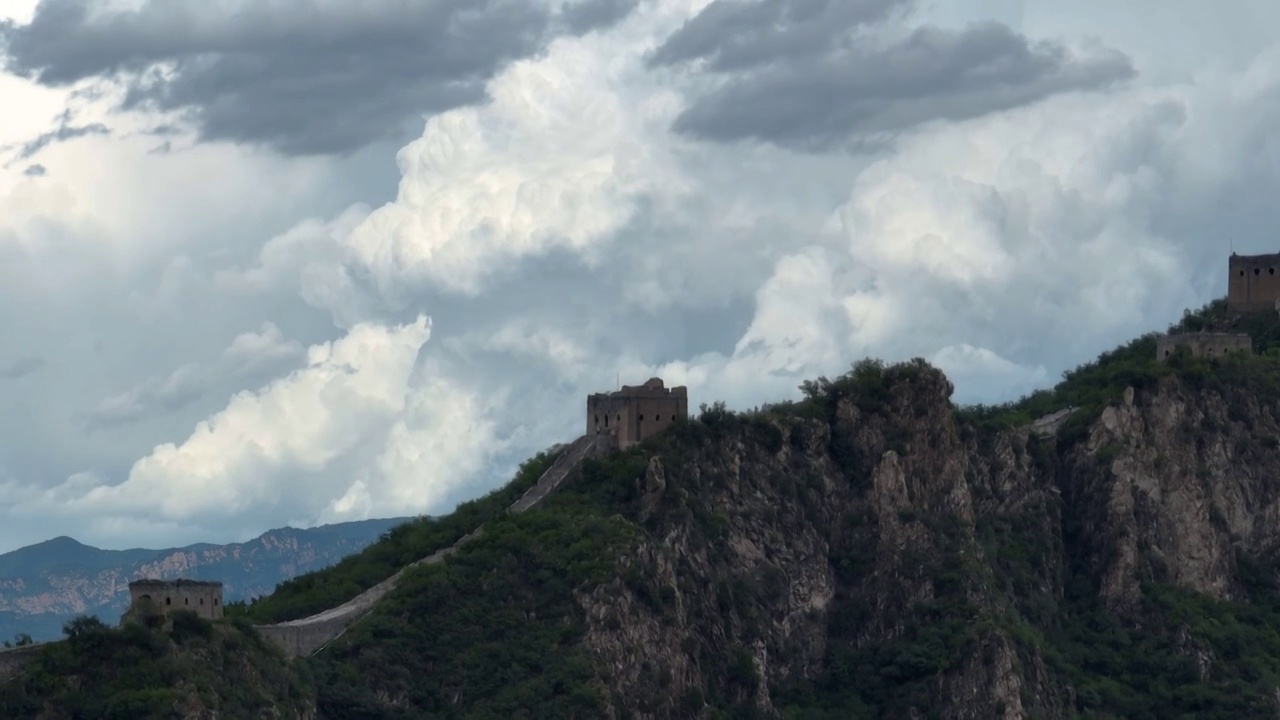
309,261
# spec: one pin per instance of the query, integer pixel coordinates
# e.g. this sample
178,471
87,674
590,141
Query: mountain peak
59,542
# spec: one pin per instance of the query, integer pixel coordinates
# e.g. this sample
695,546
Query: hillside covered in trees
870,550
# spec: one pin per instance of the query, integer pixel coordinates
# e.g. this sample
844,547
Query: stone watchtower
1253,282
1204,344
636,413
162,597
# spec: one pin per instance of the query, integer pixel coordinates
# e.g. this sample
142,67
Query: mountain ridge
45,584
870,550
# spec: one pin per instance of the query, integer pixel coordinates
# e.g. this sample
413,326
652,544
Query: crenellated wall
1203,344
636,412
12,660
1253,283
161,597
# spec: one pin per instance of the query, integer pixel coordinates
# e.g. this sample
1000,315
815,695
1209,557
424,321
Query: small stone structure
309,635
636,413
161,597
1253,282
1203,344
1047,425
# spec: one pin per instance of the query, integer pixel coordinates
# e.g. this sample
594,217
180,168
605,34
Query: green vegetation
19,640
142,672
403,544
497,630
1094,385
500,628
1090,388
866,680
1195,657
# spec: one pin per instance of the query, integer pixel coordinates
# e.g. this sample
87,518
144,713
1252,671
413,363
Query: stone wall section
204,598
309,635
12,660
1047,425
1203,344
582,448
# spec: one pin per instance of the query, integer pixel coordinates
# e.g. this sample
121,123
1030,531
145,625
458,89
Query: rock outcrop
892,524
1171,485
871,552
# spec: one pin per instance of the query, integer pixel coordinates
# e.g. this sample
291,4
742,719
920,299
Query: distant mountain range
44,585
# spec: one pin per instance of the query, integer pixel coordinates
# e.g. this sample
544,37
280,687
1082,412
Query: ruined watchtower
636,413
1204,344
1253,282
161,597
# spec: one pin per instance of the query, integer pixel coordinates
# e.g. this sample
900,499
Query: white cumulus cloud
274,445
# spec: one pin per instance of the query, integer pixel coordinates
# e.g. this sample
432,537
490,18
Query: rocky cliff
1104,549
795,557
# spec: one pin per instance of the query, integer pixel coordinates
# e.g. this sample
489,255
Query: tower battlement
1253,282
636,412
162,597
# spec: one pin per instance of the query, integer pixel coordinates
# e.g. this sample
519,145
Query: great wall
630,415
309,635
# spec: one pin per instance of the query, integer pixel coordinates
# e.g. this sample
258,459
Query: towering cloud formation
736,195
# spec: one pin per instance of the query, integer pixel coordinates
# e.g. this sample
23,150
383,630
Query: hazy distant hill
44,585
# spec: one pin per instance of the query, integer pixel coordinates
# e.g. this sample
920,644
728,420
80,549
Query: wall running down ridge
12,660
309,635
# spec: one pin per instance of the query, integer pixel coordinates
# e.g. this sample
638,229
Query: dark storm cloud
21,368
303,77
591,15
799,75
63,132
739,34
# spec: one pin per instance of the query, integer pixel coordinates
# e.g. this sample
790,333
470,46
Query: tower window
168,601
1241,273
186,601
1257,271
